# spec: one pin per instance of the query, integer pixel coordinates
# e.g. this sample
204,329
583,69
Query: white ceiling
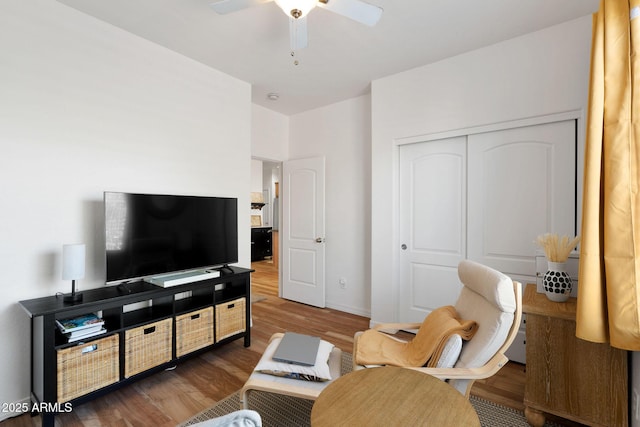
343,56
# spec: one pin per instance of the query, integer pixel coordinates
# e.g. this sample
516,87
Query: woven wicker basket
230,318
194,330
87,367
147,346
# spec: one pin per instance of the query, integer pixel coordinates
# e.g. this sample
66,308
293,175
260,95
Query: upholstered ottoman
310,390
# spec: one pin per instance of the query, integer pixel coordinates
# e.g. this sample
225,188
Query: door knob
319,239
403,247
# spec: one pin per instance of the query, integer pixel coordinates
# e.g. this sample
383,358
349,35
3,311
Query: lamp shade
73,261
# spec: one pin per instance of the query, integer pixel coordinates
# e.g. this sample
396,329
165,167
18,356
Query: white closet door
432,220
522,183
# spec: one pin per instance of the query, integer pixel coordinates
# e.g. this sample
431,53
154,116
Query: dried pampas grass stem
557,249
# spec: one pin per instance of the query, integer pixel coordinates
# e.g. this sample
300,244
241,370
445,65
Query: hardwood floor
170,397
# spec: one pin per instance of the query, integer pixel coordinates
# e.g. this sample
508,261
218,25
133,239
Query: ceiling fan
297,11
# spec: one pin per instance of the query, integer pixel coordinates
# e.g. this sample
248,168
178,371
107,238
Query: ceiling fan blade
357,10
227,6
298,33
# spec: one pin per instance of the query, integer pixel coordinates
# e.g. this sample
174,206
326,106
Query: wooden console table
391,396
566,376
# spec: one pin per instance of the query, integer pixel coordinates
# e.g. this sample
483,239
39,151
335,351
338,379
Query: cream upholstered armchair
491,299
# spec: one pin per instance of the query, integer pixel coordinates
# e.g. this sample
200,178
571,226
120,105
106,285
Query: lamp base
73,297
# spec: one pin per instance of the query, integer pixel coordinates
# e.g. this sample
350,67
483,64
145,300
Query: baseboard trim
358,311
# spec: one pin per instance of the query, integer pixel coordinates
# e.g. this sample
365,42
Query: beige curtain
609,255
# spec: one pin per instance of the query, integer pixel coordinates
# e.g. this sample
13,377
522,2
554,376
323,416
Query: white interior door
302,232
432,225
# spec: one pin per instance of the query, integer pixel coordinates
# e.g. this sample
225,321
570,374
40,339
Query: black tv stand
137,315
124,288
225,269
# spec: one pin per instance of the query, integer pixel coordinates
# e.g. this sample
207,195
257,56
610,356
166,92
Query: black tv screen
150,234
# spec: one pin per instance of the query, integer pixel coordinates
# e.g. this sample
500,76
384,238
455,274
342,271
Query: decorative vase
557,283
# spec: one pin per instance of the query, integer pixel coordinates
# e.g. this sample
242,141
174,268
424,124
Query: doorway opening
265,221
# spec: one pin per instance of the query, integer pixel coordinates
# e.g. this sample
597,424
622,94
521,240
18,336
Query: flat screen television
152,234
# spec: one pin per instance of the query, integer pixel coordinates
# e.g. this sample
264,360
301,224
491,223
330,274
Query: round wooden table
390,396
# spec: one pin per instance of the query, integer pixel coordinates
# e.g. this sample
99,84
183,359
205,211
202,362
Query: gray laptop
297,349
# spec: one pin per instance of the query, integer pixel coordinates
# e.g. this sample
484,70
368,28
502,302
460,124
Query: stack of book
81,327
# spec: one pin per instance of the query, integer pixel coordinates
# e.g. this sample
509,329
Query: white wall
269,134
341,133
538,74
256,176
86,107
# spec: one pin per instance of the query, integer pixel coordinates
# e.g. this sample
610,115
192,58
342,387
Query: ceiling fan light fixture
296,8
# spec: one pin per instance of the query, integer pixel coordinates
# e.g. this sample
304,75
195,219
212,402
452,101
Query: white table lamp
73,268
